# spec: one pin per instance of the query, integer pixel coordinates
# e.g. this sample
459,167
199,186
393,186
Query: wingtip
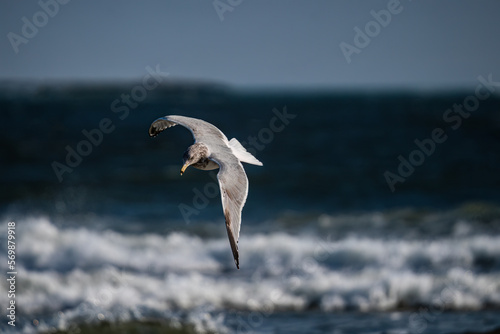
237,258
152,133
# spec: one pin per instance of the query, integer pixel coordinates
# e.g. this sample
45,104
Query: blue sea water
112,232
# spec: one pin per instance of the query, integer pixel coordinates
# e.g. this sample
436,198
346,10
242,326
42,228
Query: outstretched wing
233,185
202,131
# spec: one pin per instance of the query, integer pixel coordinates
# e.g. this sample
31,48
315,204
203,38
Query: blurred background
377,209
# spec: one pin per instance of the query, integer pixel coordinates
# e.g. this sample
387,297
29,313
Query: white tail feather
241,153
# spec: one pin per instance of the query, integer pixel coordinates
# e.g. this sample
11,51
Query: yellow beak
186,165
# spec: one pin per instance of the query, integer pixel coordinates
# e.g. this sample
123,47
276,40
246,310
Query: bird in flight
212,150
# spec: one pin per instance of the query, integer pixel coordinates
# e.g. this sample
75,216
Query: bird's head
193,155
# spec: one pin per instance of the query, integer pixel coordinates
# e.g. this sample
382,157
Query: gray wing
233,185
202,131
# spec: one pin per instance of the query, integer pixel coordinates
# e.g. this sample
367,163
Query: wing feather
233,183
202,131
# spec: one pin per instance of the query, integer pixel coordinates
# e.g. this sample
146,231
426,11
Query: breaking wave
79,275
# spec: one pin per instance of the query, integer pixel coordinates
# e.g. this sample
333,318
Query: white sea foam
73,275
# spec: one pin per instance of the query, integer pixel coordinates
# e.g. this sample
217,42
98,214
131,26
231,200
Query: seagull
212,150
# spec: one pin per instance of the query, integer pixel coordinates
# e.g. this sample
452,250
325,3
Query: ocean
374,212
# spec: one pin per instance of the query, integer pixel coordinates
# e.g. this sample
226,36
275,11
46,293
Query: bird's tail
241,153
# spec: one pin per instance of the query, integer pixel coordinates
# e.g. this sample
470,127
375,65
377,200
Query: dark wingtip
152,132
233,243
236,256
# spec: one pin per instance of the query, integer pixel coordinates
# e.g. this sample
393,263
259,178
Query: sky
254,43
